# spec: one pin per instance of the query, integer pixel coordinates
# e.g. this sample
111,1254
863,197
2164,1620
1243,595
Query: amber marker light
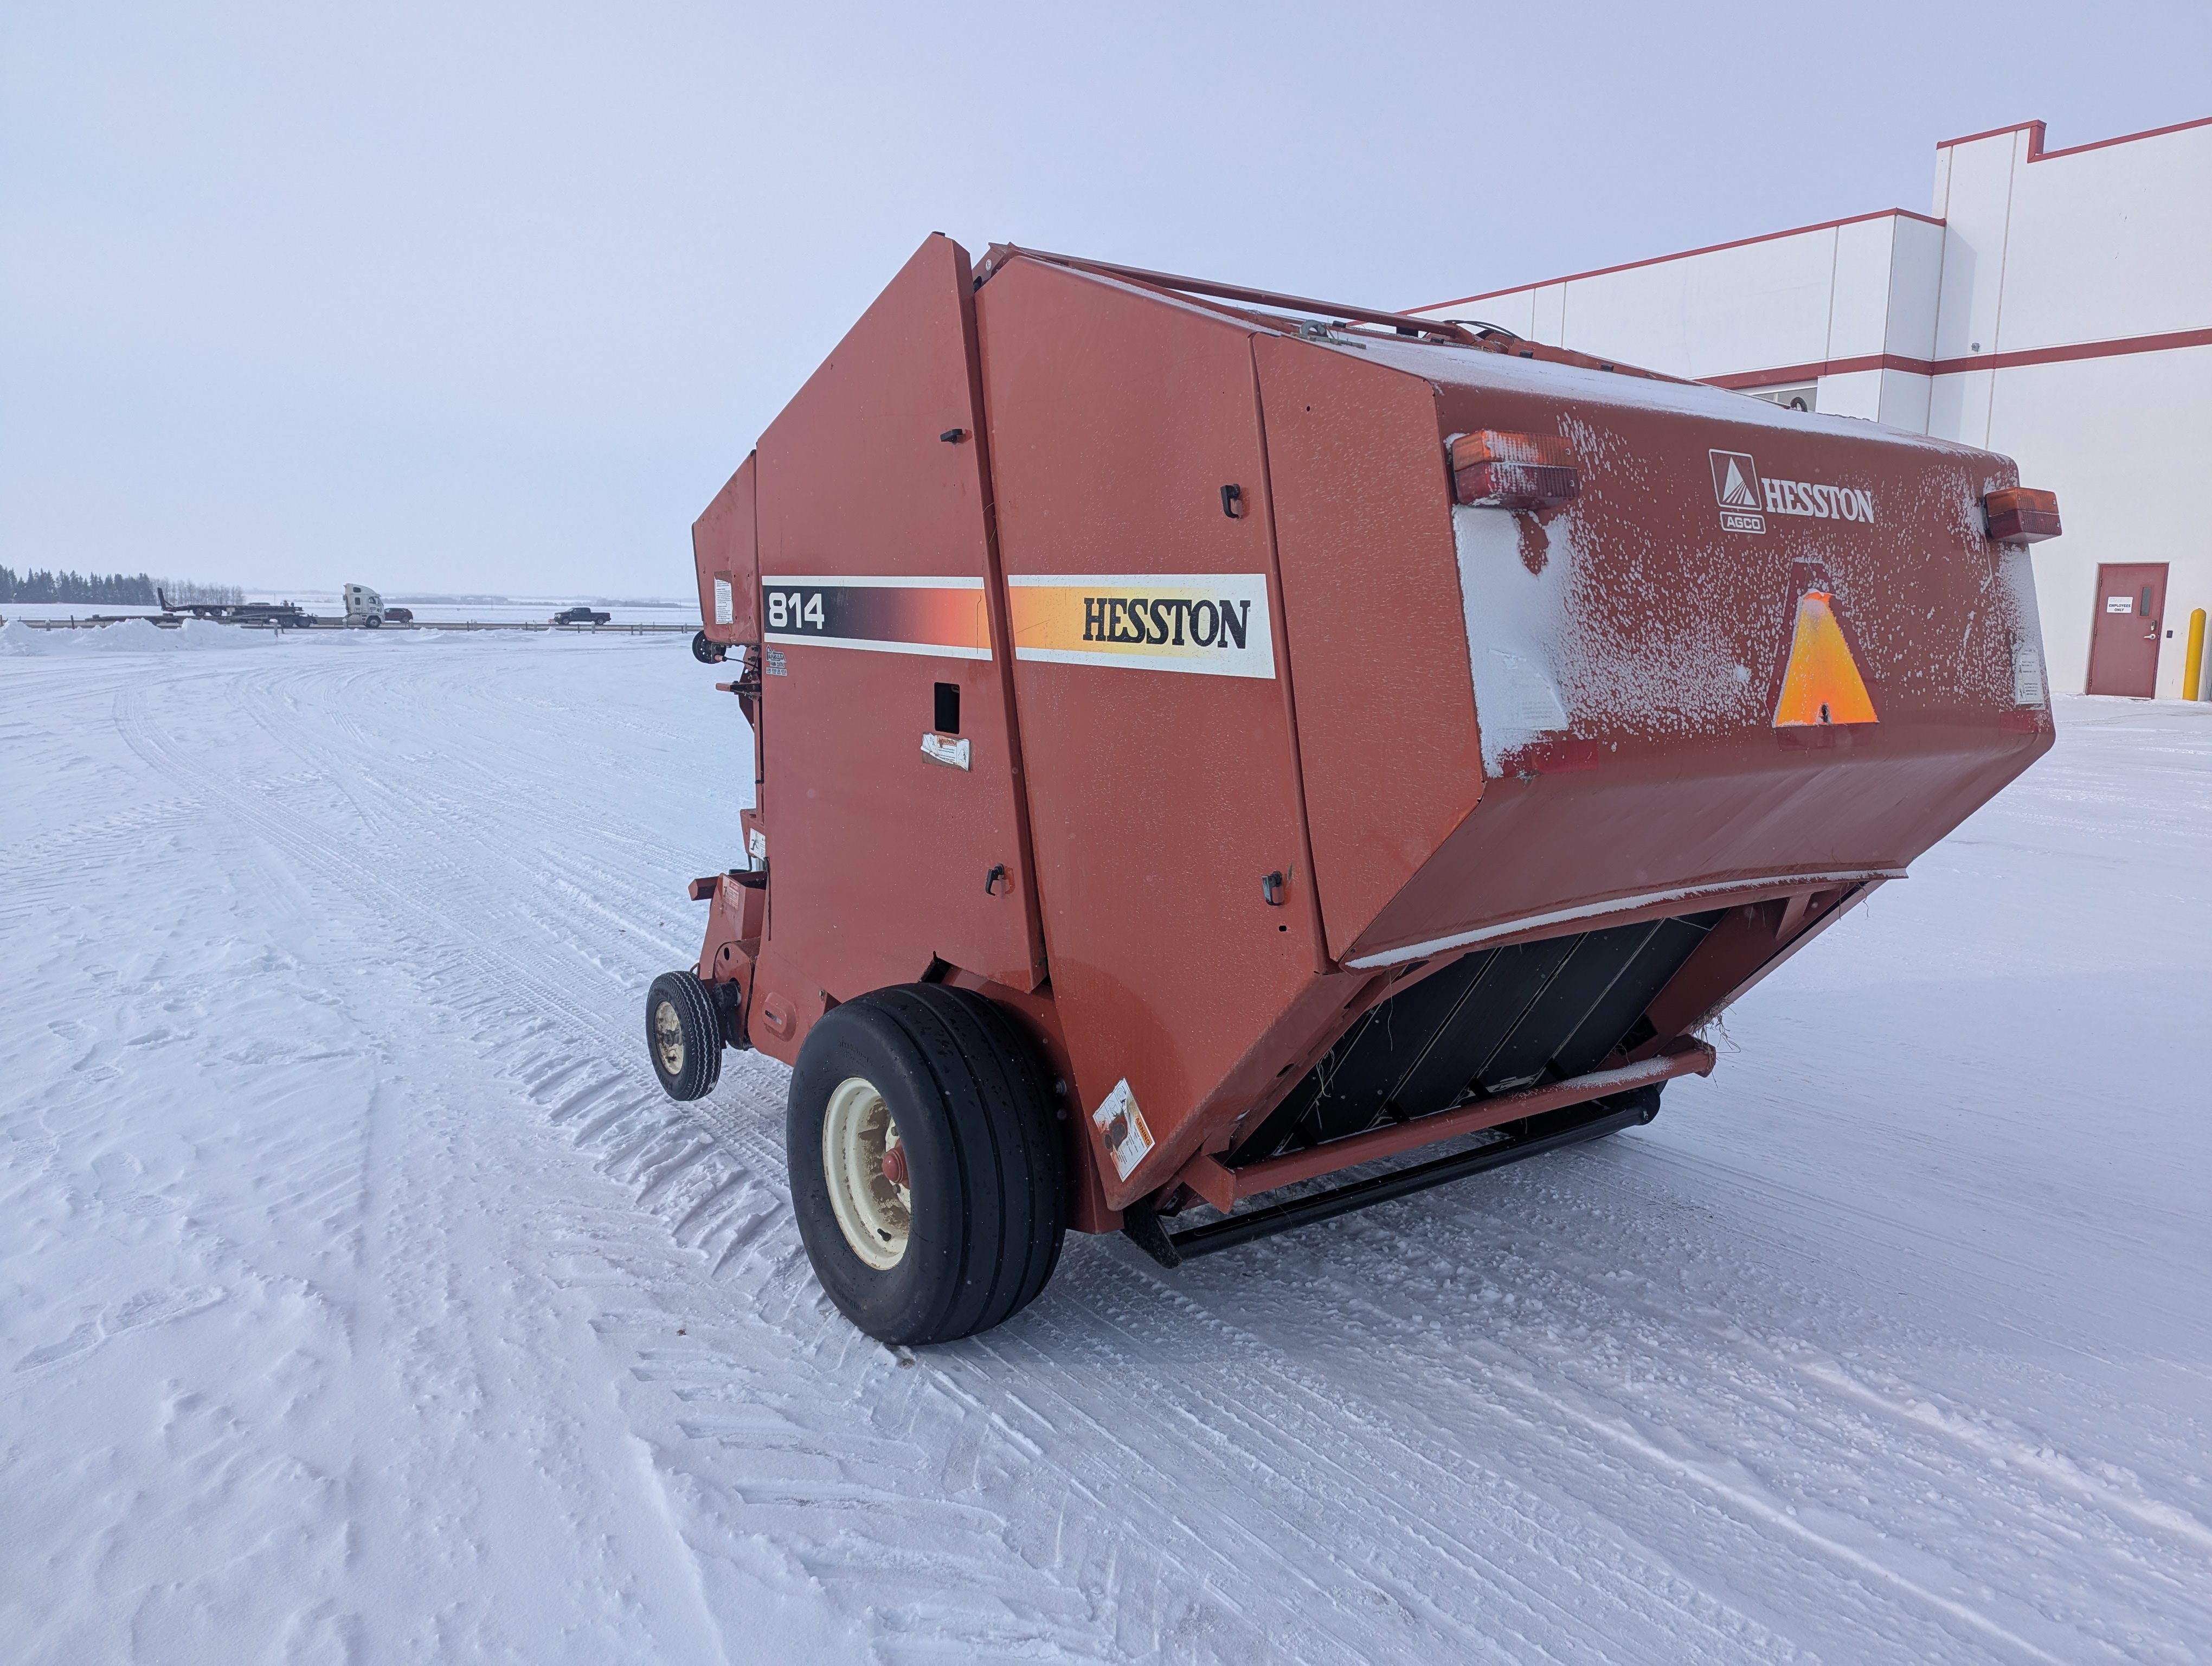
2019,515
1513,470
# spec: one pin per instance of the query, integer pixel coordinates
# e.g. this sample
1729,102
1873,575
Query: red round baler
1208,741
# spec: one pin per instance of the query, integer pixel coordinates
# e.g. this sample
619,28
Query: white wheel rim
668,1037
858,1132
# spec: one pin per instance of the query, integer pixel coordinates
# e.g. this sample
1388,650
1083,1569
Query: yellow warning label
1821,683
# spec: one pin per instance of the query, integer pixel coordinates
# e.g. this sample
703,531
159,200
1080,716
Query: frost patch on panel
1555,650
1513,618
2016,583
1519,696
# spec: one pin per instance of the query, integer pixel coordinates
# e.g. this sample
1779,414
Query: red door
2124,641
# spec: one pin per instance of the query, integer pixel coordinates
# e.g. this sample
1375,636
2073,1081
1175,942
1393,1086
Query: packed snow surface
365,1300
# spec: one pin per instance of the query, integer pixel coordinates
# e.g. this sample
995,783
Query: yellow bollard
2192,663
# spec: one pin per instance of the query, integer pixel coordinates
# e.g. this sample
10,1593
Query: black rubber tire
705,652
698,1036
974,1110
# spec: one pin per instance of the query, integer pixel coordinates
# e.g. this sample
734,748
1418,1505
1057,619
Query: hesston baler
1207,740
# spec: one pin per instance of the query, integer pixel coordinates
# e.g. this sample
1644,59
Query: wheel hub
668,1038
864,1160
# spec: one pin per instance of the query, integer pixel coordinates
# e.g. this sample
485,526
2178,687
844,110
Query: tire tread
996,1101
703,1034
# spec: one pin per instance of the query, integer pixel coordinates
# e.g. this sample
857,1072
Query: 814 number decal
795,610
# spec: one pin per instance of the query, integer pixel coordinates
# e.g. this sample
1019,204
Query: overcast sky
493,297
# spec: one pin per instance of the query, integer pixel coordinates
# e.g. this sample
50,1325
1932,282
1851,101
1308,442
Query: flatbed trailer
1207,740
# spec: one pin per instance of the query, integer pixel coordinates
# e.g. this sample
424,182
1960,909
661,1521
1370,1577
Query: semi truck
364,608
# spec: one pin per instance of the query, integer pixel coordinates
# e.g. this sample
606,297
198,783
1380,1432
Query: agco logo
1747,498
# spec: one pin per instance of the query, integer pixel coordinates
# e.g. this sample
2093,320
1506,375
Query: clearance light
2017,515
1513,470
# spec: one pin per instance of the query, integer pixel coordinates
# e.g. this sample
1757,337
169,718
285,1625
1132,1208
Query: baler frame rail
1554,1130
1220,1184
1000,253
1457,332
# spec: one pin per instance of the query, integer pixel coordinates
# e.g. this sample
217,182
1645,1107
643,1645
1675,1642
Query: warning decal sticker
1128,1140
1212,623
1821,683
940,616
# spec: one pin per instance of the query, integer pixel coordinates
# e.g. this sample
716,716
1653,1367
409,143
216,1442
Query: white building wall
1915,276
2125,487
1761,304
1923,325
2109,243
2086,250
1859,290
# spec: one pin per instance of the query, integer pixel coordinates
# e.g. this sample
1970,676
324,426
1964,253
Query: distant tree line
181,591
108,589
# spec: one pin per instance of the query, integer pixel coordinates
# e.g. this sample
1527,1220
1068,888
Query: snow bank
127,636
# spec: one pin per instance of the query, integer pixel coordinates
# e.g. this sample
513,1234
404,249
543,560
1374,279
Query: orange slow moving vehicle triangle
1821,683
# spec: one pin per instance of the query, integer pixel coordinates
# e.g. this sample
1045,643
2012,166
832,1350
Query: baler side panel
881,856
725,550
1161,791
1392,760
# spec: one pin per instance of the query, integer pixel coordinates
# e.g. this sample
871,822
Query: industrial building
2054,305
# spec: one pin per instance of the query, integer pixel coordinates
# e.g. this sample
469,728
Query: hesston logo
1162,620
1743,494
1214,623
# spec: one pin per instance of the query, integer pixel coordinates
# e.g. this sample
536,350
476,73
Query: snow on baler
1209,741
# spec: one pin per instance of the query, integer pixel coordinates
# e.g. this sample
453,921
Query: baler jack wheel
928,1177
684,1035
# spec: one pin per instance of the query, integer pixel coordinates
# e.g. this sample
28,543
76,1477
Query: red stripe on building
2036,153
2027,356
1662,259
2034,130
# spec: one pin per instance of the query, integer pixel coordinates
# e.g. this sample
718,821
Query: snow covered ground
361,1298
329,604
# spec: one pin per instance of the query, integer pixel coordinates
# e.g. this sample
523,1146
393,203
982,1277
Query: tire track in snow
421,1400
1104,1311
643,1158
